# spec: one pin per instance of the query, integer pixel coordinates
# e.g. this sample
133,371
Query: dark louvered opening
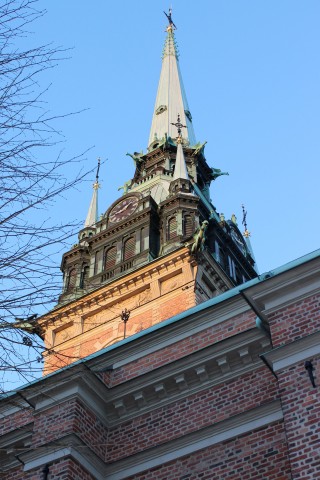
84,277
188,225
98,261
129,248
72,279
110,258
172,228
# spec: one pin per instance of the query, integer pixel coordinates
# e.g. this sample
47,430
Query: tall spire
171,98
92,216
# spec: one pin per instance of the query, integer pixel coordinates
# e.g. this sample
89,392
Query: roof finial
246,232
96,184
171,24
179,125
92,216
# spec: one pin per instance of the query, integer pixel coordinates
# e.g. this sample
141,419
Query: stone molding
286,288
225,430
294,352
199,371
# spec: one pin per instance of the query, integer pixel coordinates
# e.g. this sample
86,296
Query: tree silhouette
30,181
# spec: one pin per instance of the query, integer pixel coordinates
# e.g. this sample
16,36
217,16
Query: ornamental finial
96,184
171,25
179,125
246,232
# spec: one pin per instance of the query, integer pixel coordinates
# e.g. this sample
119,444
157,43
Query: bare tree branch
29,183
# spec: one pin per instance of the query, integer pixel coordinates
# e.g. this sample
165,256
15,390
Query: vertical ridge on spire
92,216
171,99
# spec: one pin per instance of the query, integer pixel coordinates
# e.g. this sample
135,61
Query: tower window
129,248
110,258
84,277
72,278
172,228
144,239
188,227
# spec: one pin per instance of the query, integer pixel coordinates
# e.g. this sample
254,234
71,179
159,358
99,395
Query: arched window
188,228
110,258
72,278
172,228
129,248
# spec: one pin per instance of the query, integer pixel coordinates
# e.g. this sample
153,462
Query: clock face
123,209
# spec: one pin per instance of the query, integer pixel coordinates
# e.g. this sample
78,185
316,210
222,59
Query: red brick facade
190,398
262,454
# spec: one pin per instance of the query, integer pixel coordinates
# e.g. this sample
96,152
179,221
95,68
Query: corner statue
200,237
136,157
216,172
125,187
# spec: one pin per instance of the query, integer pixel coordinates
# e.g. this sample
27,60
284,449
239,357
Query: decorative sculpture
199,148
126,187
200,237
136,157
216,172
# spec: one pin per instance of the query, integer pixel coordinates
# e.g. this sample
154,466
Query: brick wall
260,455
295,321
301,408
16,420
180,349
191,413
70,417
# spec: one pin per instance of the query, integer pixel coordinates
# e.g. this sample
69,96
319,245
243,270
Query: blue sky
252,75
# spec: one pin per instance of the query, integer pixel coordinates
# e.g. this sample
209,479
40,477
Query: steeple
92,216
161,246
171,98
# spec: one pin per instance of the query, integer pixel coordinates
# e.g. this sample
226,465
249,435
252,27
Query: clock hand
122,209
126,206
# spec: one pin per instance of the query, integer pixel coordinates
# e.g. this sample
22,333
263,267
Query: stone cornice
199,371
12,444
75,383
298,351
68,446
12,404
287,287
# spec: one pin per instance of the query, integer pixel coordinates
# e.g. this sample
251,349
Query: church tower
159,249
